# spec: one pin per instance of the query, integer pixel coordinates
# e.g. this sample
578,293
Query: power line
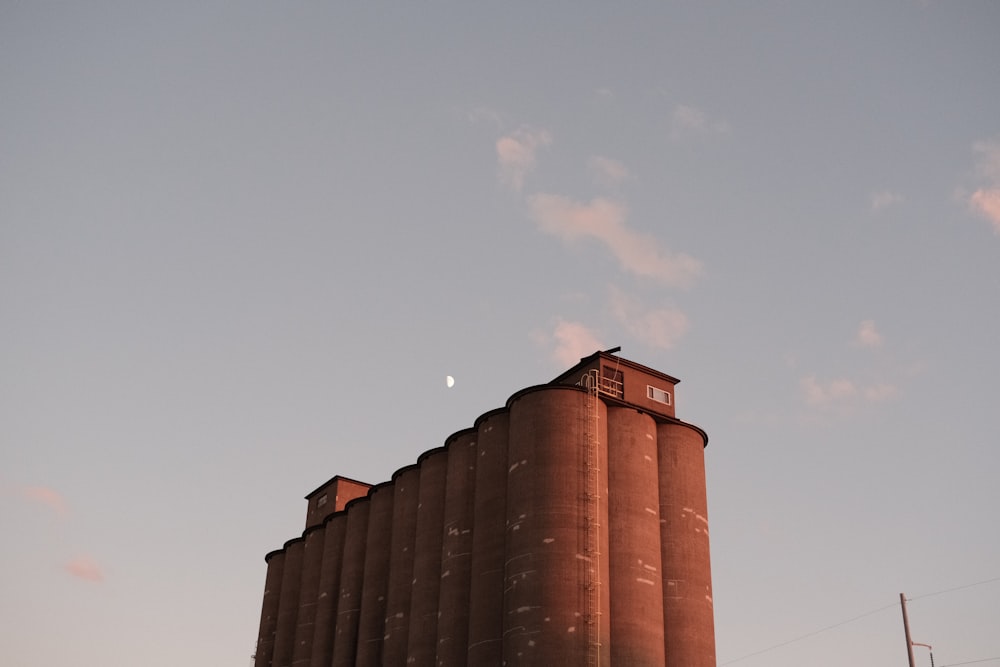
957,588
869,613
811,634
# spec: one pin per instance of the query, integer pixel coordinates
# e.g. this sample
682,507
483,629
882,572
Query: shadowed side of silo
335,528
352,574
456,550
404,528
305,622
555,606
636,586
425,593
269,610
288,607
487,566
687,577
375,589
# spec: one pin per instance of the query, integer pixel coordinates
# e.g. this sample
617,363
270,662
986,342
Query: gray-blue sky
242,245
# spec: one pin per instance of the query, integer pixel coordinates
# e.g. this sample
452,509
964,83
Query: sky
242,245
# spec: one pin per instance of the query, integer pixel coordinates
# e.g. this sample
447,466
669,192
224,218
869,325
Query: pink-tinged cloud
826,394
85,568
516,154
868,335
656,327
573,341
884,199
688,121
986,202
607,172
842,392
48,497
604,221
879,392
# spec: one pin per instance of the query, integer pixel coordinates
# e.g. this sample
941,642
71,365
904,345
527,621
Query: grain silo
567,527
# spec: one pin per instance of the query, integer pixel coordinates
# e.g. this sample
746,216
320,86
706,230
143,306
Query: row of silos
496,550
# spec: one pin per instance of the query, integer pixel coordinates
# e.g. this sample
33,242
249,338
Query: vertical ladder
592,514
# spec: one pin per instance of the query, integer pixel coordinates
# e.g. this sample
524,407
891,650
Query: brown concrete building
567,528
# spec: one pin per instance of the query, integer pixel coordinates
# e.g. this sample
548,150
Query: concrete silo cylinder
288,607
635,586
305,622
352,574
422,636
404,528
488,541
269,610
687,577
556,604
335,528
456,550
371,625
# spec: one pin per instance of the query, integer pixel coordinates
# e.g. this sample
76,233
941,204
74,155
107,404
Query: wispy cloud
883,199
985,200
868,335
607,172
485,115
690,121
516,154
573,341
48,497
879,392
656,327
604,220
827,393
842,392
83,567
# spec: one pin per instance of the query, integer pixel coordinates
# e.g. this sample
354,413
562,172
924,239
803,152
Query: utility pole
906,629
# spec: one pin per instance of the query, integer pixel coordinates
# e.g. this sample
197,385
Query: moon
449,381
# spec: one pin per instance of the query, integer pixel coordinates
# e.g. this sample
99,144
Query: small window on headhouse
321,501
658,395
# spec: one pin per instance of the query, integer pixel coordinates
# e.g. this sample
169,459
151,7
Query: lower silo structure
488,538
688,612
352,573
